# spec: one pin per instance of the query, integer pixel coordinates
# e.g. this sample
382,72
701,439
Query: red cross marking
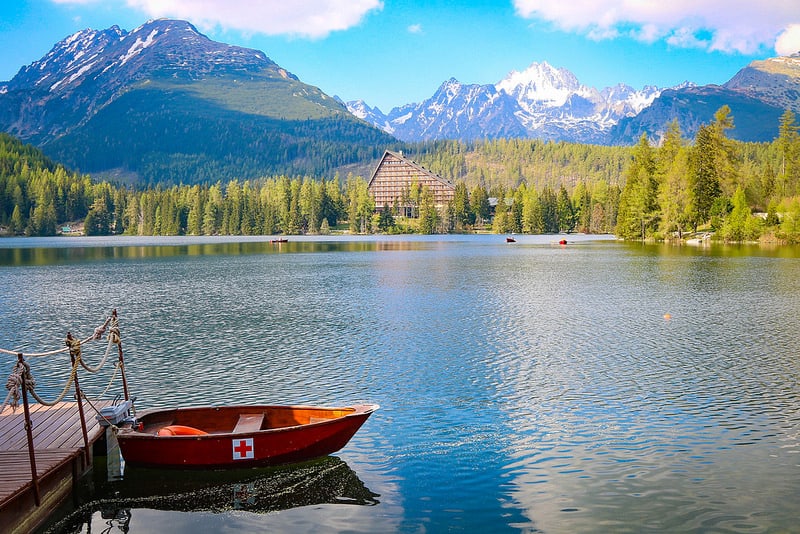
242,449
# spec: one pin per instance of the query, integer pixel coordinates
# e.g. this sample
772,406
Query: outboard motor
117,415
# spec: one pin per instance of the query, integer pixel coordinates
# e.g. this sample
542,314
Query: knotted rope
73,345
14,383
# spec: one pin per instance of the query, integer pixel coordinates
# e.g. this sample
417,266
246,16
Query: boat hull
286,434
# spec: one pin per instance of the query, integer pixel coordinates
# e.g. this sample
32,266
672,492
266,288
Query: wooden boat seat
249,422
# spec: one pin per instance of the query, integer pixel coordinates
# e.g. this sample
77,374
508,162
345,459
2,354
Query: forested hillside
38,196
740,191
511,162
191,140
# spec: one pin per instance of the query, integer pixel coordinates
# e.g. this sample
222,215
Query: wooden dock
60,456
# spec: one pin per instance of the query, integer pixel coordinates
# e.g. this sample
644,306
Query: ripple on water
532,388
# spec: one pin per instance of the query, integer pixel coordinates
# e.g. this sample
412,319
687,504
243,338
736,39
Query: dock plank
57,438
16,474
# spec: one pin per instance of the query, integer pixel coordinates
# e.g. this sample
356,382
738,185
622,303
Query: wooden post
87,457
29,431
121,359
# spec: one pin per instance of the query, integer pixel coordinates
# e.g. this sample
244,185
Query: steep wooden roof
416,166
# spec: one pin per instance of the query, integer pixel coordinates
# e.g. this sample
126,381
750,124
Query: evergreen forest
678,187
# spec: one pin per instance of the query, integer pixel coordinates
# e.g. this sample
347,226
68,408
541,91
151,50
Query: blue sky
390,53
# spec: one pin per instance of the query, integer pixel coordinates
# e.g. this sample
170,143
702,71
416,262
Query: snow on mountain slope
542,101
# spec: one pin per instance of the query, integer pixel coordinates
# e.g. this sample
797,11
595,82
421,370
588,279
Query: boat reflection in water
327,480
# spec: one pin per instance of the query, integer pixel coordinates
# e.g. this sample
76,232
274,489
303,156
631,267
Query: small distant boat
279,240
510,240
238,436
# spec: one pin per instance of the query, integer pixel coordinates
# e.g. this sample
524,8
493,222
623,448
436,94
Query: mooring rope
13,385
102,362
114,428
97,334
108,386
31,385
22,369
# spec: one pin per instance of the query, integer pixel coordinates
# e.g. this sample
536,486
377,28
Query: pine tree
704,186
789,147
98,220
479,203
428,214
566,214
17,223
386,221
532,222
735,226
671,170
462,212
638,207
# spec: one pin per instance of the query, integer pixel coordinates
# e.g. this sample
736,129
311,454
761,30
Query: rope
110,382
101,329
5,403
113,339
63,392
14,383
73,345
87,399
102,362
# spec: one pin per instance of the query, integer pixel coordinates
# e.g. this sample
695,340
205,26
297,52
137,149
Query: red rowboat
239,436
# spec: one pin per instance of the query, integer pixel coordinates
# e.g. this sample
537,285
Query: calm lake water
525,387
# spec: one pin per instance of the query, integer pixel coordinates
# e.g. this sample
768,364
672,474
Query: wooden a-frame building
391,182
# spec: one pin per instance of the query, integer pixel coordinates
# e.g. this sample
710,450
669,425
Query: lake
524,387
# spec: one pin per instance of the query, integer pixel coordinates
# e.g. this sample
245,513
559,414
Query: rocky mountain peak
91,69
775,81
541,82
540,101
169,47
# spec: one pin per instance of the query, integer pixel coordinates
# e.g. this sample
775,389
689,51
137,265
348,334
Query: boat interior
237,420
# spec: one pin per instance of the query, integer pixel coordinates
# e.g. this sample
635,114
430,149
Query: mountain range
165,104
540,102
545,102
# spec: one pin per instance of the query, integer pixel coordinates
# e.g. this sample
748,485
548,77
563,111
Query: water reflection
525,387
259,491
65,250
61,255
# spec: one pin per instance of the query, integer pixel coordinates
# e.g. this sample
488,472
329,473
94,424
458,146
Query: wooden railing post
86,452
29,431
115,322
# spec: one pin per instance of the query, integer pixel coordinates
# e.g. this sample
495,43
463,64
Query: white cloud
742,26
306,18
415,28
788,42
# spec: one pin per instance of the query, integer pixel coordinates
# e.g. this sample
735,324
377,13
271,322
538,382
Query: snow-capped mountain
90,69
458,111
165,103
541,101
